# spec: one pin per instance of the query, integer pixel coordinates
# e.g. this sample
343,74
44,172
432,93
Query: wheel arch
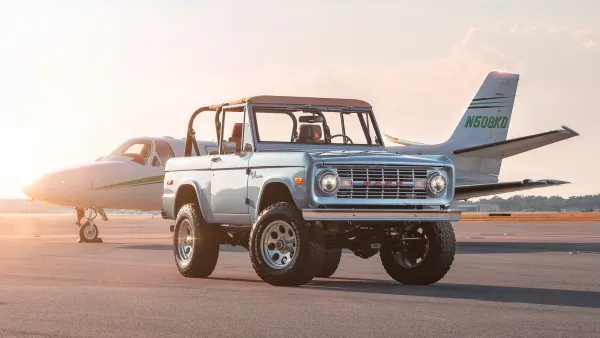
190,192
274,190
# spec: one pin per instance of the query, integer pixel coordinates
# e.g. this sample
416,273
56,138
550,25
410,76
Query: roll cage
190,139
315,109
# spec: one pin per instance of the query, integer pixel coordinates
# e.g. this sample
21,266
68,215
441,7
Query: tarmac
522,279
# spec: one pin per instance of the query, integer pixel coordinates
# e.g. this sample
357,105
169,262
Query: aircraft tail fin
486,121
487,118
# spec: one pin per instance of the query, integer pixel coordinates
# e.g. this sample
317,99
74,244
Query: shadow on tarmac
462,247
524,247
487,293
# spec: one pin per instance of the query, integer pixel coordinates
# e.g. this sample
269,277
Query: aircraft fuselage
131,177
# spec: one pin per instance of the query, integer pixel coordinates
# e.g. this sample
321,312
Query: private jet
130,177
479,142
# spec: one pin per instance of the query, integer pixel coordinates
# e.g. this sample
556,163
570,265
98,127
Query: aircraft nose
33,188
28,191
58,187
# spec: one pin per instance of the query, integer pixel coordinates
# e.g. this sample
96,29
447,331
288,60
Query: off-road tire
309,250
442,247
331,262
205,247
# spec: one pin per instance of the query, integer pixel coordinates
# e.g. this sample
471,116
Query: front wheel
88,232
425,258
284,249
195,243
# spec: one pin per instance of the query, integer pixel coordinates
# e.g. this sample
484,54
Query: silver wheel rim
278,245
89,232
409,259
185,241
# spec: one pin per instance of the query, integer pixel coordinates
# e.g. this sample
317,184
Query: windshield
311,126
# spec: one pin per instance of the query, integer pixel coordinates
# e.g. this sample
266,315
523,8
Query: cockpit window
137,149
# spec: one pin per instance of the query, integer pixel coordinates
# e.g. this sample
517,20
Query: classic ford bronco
301,178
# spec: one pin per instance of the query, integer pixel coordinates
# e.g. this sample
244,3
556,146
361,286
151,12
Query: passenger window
264,121
164,151
232,129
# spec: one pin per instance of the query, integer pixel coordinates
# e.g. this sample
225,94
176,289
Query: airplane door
229,182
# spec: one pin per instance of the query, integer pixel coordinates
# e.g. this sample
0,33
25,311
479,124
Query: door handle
215,159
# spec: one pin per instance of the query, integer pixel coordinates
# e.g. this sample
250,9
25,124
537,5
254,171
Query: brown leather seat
310,133
236,136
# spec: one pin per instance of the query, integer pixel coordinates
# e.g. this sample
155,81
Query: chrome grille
383,182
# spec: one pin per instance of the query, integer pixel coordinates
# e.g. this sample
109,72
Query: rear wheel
425,258
195,243
331,262
284,249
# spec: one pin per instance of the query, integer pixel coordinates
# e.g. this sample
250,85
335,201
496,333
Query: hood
376,157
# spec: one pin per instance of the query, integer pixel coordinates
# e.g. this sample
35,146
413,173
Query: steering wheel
341,135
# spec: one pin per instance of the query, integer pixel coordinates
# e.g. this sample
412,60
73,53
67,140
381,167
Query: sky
78,78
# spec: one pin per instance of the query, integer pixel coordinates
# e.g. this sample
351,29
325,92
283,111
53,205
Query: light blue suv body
336,185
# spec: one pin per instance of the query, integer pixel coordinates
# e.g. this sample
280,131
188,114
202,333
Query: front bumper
380,215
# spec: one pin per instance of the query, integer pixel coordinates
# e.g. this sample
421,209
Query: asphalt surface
508,280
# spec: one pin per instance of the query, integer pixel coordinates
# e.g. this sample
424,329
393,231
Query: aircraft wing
402,142
519,145
464,192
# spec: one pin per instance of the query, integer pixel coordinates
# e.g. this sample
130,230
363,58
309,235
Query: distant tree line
542,203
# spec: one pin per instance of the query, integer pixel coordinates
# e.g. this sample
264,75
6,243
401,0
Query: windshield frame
276,145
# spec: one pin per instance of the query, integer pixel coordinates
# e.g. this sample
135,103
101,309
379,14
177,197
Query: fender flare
284,180
203,202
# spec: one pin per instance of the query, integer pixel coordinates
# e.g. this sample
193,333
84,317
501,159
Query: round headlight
329,182
436,184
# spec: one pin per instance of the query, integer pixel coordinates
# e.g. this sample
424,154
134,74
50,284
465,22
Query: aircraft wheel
88,232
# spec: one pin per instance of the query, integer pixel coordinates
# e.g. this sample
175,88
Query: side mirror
229,146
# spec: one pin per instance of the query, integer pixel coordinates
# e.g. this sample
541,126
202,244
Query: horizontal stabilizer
465,192
402,142
507,148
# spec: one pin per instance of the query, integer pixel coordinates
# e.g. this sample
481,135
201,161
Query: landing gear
88,231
